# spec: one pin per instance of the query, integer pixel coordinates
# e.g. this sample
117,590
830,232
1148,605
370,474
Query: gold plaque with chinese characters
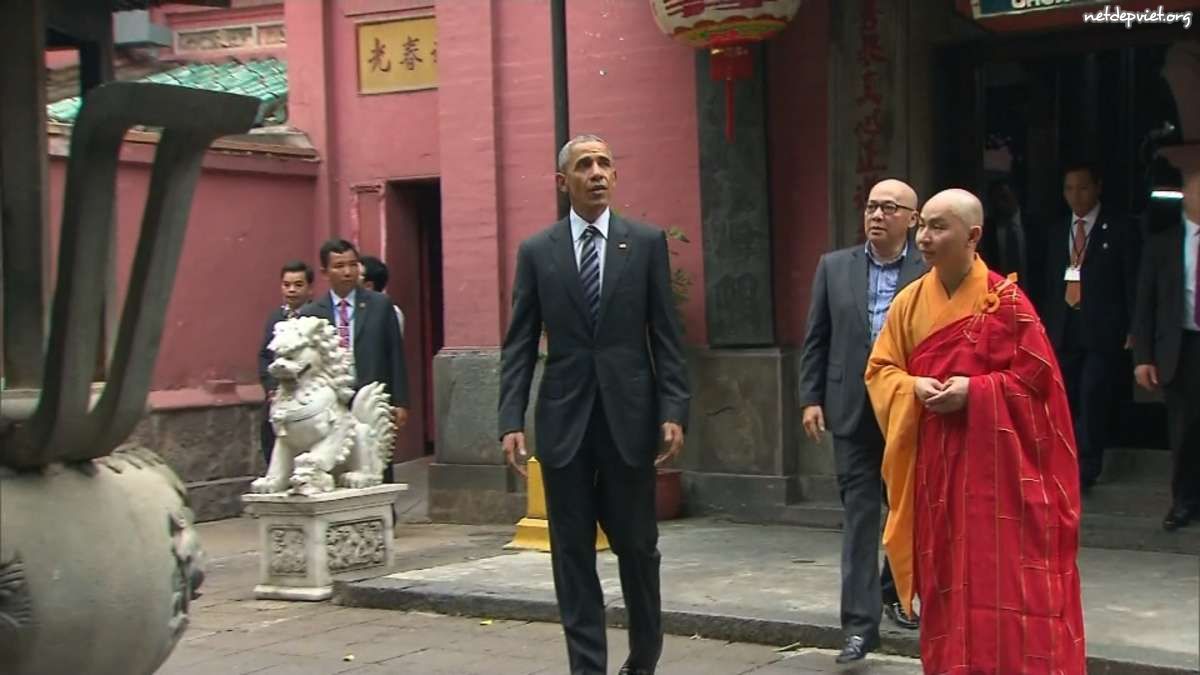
397,55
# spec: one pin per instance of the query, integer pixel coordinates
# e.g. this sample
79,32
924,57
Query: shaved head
950,227
902,192
962,205
890,211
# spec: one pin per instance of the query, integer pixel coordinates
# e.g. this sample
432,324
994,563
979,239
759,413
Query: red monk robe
987,497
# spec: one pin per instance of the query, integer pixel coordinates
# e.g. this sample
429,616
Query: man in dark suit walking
615,385
295,284
852,291
1091,284
1004,245
366,325
1167,335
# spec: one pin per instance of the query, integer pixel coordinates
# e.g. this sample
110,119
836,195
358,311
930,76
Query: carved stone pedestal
305,541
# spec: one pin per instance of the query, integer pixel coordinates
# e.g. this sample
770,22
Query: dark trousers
1183,424
597,485
859,460
1095,382
267,433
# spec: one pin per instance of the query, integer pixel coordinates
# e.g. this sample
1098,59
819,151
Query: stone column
740,457
734,209
870,99
469,481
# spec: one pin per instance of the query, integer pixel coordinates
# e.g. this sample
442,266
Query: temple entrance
1023,107
400,222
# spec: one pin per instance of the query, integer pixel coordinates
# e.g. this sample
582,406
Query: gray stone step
1128,499
1099,530
1137,533
1137,465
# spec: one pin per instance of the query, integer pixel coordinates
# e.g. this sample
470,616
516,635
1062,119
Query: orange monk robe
984,502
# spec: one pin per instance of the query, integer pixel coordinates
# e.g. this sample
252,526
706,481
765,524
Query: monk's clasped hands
942,397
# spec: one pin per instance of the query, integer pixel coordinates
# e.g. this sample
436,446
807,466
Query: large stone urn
98,564
99,559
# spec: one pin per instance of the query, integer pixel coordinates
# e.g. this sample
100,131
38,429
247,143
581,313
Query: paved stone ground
231,633
776,584
758,583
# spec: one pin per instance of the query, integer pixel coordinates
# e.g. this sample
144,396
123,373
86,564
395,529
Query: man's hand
952,398
1147,376
926,388
814,422
514,446
401,417
673,437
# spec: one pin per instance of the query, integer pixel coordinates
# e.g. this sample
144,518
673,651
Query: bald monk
979,461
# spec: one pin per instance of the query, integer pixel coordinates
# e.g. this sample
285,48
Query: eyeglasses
888,208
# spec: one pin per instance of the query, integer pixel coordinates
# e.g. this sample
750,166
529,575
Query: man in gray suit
366,325
615,385
852,291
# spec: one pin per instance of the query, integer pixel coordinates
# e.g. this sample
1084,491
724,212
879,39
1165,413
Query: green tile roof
264,79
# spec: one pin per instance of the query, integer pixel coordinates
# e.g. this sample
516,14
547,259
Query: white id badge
1072,274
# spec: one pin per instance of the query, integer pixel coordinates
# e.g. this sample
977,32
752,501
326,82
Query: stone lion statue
325,434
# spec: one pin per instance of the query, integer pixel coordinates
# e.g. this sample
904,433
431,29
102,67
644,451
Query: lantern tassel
729,111
730,63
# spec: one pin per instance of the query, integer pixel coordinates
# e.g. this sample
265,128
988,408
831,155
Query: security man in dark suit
1091,284
852,291
1004,245
1167,334
366,325
295,284
615,385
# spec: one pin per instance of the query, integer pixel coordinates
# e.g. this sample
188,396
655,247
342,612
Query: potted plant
668,494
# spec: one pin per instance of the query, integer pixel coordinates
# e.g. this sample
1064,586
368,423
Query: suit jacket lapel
567,267
912,268
325,305
1174,271
615,258
360,315
858,283
1096,237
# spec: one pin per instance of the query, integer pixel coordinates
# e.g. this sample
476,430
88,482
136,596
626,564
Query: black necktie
589,271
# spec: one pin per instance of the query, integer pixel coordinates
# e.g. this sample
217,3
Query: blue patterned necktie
589,271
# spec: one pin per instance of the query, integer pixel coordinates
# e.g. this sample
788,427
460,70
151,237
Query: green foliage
681,281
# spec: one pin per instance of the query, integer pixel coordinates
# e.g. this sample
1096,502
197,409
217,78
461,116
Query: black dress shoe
1177,517
896,613
630,670
856,649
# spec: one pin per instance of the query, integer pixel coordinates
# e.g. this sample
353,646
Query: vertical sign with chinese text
397,55
870,111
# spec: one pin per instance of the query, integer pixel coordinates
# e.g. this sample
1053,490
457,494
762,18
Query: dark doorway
1020,108
412,247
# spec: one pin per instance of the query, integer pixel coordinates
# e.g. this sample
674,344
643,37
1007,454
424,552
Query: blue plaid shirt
882,281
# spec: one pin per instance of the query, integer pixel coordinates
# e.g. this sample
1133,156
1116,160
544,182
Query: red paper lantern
725,28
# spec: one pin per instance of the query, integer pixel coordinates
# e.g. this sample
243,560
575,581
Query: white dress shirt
1191,239
578,227
337,312
1089,220
337,317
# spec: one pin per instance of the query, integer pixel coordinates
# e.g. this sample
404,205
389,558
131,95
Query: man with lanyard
1091,276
